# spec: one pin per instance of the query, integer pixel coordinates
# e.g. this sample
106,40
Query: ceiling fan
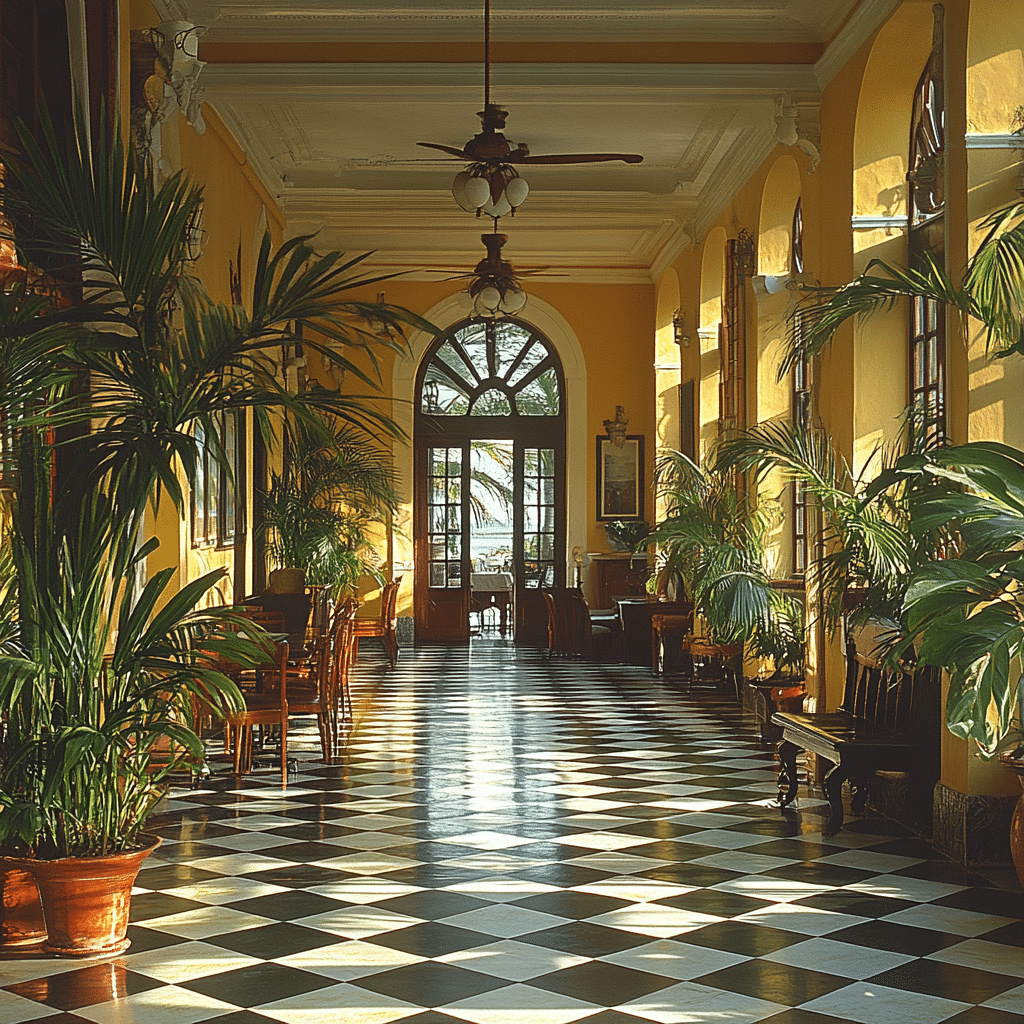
491,184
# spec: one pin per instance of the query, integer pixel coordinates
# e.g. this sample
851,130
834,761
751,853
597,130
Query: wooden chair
670,642
383,627
266,706
310,692
717,663
342,648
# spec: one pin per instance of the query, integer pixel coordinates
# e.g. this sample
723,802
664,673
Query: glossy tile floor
516,841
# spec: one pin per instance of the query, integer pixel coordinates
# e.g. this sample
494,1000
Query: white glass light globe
490,297
478,192
499,209
516,191
513,301
459,191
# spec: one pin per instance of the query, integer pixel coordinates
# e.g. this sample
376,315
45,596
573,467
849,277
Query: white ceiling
335,140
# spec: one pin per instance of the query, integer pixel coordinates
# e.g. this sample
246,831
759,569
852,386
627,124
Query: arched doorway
488,389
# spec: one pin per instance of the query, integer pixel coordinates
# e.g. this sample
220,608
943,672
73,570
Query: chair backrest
342,634
554,633
580,624
274,676
389,602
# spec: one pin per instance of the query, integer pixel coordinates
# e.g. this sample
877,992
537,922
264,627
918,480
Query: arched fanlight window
492,368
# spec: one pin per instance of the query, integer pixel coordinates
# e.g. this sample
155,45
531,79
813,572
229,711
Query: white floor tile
877,1004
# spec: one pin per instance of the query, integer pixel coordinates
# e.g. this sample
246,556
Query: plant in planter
627,534
716,540
317,511
99,400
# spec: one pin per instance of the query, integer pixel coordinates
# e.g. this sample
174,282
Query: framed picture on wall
620,478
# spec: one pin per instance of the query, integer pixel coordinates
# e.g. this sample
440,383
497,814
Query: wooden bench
880,726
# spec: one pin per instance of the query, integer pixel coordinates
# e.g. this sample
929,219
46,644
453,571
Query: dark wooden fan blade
445,149
577,158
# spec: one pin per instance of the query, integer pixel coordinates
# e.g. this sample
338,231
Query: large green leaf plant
108,364
965,612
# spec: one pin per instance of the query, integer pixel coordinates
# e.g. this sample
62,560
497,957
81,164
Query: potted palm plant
715,538
99,398
317,510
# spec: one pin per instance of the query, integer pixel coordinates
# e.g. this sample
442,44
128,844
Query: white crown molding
745,155
171,10
994,140
866,19
768,20
680,241
321,80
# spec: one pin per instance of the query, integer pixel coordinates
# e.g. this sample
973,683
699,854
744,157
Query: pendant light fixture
490,183
495,290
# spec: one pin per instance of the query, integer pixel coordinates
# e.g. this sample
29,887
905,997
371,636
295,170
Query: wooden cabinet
616,574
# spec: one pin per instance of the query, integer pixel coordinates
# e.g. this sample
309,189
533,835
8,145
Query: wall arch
881,153
555,327
775,231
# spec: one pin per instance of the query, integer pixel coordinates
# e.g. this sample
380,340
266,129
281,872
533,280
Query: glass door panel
442,558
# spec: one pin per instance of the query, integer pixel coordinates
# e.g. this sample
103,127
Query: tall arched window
926,237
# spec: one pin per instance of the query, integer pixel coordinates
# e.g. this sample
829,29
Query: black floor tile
143,939
432,904
436,1017
997,902
1008,934
896,938
286,906
599,982
857,904
984,1015
951,981
86,986
715,902
170,876
778,983
298,876
694,875
742,938
430,984
571,904
432,939
584,938
273,940
820,874
565,876
257,984
149,905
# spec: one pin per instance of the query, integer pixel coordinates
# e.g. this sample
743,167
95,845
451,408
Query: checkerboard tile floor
512,840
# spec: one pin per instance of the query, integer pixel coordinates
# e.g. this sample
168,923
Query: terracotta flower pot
86,900
1017,822
21,915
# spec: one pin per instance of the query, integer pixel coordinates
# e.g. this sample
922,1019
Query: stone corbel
177,43
798,123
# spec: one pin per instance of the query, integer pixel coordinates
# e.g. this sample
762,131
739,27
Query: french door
445,482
